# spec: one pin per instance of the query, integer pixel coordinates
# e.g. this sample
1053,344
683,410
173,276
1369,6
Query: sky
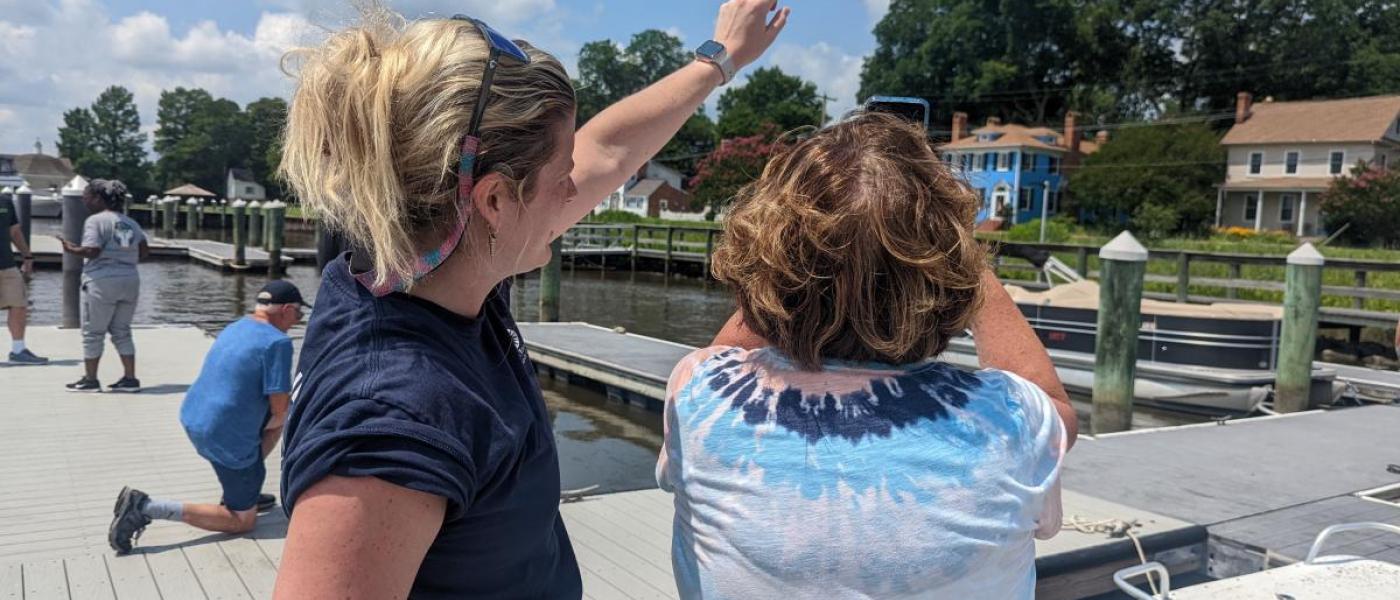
60,54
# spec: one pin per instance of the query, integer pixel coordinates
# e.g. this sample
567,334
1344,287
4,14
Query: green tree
608,73
76,140
769,98
266,119
1289,49
178,139
1025,61
105,140
199,138
1170,167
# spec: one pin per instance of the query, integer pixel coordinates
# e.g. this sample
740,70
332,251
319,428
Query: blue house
1019,171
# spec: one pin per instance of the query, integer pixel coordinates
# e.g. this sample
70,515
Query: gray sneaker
129,521
25,357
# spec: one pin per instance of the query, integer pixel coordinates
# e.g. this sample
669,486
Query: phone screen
913,109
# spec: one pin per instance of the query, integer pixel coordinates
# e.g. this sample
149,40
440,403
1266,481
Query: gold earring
493,242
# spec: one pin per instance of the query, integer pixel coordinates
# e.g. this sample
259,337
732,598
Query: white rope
1114,528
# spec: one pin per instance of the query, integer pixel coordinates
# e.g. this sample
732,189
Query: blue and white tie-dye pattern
859,481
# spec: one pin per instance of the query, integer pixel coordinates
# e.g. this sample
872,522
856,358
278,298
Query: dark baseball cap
280,291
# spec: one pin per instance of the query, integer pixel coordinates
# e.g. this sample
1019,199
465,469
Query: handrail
1322,537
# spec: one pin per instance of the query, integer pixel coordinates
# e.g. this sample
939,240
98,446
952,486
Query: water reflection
681,310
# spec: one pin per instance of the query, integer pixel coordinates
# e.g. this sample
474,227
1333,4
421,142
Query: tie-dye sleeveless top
859,481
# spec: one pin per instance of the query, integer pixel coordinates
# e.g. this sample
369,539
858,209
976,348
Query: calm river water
600,443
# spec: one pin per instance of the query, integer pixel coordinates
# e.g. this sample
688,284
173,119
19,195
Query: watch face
710,49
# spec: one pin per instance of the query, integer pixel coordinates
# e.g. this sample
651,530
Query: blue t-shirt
225,410
404,390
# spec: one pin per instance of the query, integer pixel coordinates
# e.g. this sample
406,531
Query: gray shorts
109,304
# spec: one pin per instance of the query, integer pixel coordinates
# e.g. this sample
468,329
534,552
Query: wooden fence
1356,293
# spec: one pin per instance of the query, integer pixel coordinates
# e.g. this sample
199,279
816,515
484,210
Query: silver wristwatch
714,53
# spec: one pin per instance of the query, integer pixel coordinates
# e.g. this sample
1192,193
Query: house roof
242,175
1348,120
1283,184
646,187
190,189
1018,136
41,171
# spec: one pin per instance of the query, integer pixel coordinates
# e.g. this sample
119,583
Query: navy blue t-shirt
404,390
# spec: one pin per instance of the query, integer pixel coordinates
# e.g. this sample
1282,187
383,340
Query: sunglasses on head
503,52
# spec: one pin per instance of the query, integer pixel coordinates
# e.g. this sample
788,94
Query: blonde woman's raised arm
619,140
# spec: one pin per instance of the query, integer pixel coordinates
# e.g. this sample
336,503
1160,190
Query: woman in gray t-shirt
112,244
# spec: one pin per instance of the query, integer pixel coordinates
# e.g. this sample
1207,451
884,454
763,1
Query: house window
1383,161
1025,200
967,162
1285,208
665,205
1290,163
1003,161
634,202
1251,207
1335,162
1054,207
1054,163
1256,163
248,190
1028,162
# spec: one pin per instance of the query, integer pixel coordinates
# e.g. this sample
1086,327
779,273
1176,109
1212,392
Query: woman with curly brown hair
818,448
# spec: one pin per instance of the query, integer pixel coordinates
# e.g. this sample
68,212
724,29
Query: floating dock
210,253
1217,499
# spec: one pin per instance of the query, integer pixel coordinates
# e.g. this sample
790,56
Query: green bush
1155,221
1367,204
1058,231
616,216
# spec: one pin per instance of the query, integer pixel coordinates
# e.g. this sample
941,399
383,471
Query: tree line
198,138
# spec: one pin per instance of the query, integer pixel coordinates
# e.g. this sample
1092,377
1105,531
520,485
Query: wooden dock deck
1207,497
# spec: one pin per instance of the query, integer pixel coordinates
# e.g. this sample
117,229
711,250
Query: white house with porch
1283,155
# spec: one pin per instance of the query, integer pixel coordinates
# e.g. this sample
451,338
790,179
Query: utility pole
825,99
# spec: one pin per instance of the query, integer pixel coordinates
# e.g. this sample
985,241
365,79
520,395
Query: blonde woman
419,459
818,449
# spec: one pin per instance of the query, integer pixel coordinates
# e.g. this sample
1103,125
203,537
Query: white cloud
836,73
676,32
877,9
60,54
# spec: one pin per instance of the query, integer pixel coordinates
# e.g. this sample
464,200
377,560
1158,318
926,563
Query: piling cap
255,204
239,204
75,187
1124,248
192,201
1306,255
7,190
24,189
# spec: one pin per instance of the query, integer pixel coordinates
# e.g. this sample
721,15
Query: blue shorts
241,486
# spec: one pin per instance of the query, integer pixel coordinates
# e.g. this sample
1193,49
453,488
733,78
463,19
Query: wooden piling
1232,292
191,217
709,250
1183,277
168,217
276,221
24,209
549,282
255,224
670,243
240,233
1081,255
75,214
1301,299
636,239
1122,264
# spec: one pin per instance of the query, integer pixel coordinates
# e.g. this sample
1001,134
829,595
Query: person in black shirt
418,457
